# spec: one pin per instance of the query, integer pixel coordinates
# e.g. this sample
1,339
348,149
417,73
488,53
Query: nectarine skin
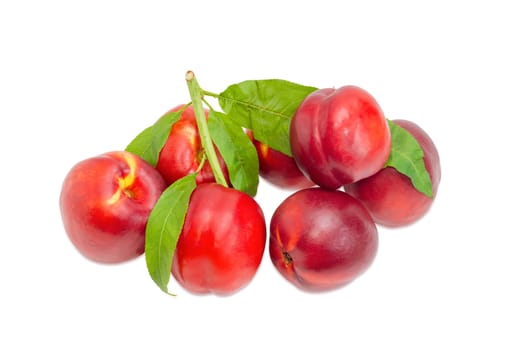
222,241
339,136
390,196
182,153
321,240
278,168
105,202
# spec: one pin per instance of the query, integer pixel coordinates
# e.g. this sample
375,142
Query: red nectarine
105,202
183,151
278,168
321,239
390,196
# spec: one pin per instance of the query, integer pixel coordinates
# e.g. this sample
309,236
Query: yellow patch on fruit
190,134
125,183
293,241
264,149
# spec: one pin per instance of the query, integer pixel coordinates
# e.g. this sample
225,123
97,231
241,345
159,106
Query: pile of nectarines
323,238
350,168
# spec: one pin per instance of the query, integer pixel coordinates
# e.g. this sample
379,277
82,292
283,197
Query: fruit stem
196,97
202,163
208,93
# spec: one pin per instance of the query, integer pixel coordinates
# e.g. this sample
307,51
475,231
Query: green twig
196,97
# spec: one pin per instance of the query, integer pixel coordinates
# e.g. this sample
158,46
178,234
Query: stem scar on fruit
287,258
125,182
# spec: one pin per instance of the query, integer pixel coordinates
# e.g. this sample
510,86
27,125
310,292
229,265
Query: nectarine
105,202
390,196
321,239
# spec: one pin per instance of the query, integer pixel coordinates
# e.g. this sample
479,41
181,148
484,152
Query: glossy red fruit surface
222,241
278,168
105,202
339,136
321,240
183,152
390,196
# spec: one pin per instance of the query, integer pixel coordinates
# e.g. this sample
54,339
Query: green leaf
164,227
149,143
237,151
265,107
407,158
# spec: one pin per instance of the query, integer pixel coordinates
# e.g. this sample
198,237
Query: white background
79,80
